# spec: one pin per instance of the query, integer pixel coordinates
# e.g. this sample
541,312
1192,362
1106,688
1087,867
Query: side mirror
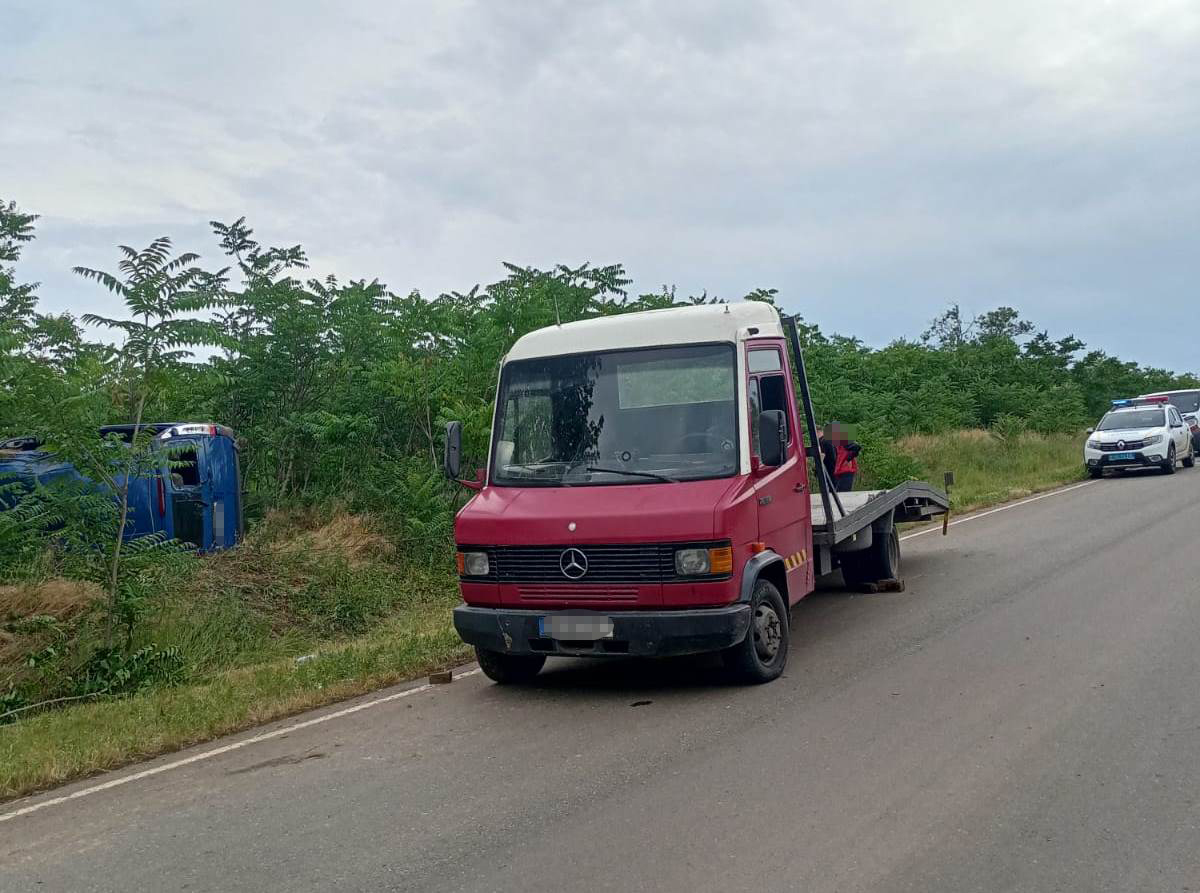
1091,430
452,456
772,437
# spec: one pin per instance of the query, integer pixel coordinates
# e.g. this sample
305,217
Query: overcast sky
873,161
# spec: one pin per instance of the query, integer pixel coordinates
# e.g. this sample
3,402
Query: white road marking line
236,745
1003,508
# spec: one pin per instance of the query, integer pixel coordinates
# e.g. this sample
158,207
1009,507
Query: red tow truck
647,492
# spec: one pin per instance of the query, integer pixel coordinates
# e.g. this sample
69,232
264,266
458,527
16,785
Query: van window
185,464
1187,401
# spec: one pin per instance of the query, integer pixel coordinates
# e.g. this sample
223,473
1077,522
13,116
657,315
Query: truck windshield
1131,419
619,417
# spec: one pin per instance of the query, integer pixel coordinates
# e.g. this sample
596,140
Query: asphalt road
1025,717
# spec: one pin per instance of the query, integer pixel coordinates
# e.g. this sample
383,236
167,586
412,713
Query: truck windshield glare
619,417
1129,420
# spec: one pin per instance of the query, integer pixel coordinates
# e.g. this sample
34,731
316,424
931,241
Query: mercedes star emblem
573,563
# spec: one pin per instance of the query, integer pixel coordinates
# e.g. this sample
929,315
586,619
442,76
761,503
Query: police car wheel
1168,467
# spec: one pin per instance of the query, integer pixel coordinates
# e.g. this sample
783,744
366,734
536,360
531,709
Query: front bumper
1147,457
643,633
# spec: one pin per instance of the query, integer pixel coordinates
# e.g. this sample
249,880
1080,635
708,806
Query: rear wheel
1168,467
879,561
509,669
1189,461
762,655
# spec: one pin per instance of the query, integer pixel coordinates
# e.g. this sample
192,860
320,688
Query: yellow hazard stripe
796,560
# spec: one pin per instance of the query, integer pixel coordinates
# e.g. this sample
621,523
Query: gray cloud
874,162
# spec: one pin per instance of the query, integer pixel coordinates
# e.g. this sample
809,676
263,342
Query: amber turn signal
720,561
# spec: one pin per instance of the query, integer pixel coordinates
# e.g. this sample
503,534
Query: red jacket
846,461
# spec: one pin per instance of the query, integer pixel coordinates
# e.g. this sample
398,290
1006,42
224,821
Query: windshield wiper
640,474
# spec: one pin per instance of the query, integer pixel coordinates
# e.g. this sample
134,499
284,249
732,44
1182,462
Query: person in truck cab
844,453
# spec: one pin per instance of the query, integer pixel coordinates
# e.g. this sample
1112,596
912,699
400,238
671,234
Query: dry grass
346,537
64,600
61,599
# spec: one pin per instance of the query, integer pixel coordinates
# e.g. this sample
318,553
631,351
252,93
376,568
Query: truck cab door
784,509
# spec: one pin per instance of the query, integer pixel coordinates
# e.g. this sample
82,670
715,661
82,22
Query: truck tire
879,561
1168,467
762,655
509,669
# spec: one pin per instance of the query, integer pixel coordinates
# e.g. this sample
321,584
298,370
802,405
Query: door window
755,409
766,389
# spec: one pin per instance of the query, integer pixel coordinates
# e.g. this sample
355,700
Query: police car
1145,432
1188,403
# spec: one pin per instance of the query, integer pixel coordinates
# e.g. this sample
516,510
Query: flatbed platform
912,501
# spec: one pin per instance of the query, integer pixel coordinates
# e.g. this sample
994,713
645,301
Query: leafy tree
159,291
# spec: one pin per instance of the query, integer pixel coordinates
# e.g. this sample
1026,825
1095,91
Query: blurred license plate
587,627
1123,457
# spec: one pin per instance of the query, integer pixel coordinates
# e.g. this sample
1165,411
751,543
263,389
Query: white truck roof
703,323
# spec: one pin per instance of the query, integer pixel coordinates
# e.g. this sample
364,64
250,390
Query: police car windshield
1132,418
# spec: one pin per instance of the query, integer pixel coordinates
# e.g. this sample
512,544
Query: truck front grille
631,564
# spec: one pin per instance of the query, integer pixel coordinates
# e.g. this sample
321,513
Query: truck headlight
1153,439
701,562
473,564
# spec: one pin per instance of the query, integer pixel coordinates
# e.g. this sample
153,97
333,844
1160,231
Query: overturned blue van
194,495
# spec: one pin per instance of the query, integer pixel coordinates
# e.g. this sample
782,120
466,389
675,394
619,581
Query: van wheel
509,669
1168,467
762,655
879,561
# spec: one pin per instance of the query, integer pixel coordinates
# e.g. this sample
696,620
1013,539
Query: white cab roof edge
701,324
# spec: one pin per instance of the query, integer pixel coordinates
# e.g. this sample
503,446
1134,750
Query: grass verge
989,469
58,746
331,585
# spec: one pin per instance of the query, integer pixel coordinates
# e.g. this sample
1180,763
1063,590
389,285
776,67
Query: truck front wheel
509,669
879,561
762,655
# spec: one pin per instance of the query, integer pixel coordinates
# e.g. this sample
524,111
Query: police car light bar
1140,401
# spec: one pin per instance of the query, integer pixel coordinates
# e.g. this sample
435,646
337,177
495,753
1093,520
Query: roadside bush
883,465
1008,426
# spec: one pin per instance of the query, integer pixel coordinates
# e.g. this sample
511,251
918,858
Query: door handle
799,488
